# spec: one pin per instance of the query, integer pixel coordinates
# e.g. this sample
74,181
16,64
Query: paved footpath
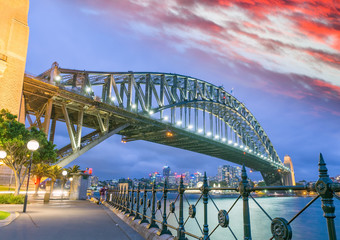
66,220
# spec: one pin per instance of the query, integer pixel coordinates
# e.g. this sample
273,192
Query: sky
281,58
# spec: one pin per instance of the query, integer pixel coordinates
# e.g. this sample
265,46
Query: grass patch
5,188
4,215
11,199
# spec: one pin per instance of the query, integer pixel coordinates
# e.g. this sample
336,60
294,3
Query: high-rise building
229,174
289,179
166,171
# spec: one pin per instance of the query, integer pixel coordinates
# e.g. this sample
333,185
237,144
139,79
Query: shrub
11,199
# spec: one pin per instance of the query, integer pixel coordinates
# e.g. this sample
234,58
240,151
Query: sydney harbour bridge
165,108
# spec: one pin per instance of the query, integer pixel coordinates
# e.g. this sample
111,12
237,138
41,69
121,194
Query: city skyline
283,66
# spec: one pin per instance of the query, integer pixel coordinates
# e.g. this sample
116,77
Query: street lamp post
32,146
64,173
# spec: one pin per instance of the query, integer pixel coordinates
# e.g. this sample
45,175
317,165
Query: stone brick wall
14,33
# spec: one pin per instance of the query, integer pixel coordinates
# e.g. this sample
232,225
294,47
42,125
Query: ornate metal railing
140,203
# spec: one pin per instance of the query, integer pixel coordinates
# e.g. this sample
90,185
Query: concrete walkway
66,220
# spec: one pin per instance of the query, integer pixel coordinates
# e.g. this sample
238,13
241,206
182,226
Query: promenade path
65,220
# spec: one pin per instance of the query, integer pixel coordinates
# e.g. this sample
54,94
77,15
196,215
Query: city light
32,145
3,154
88,89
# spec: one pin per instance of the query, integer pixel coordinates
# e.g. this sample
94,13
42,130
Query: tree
39,170
55,172
73,169
13,139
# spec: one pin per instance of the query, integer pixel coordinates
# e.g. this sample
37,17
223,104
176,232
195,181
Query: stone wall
14,33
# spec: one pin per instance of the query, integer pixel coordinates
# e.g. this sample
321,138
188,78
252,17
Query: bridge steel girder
154,102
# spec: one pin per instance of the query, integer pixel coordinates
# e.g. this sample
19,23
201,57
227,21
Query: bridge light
200,130
178,123
151,112
88,89
241,146
235,144
190,127
223,139
208,133
250,150
123,141
165,118
230,142
169,133
133,106
113,98
216,137
57,78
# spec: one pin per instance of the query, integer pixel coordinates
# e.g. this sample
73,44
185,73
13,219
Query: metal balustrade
144,204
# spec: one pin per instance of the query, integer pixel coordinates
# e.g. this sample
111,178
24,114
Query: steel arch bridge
164,108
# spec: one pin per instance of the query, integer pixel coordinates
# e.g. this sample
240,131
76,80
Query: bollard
324,187
205,192
244,191
145,194
164,229
153,208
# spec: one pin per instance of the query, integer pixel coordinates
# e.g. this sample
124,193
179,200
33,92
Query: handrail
280,227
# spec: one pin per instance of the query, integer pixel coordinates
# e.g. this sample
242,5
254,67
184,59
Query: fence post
137,208
244,191
132,203
153,208
324,187
181,230
164,229
127,201
205,192
145,194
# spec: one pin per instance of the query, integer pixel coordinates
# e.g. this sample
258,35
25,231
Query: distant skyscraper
166,171
290,178
229,174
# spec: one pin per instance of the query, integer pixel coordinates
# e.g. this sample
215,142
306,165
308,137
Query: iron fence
142,204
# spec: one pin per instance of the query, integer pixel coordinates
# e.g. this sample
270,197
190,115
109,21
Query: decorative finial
322,167
244,173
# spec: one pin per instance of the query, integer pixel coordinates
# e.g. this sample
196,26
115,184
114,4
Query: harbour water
309,225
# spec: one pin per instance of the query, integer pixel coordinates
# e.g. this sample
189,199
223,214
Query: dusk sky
281,58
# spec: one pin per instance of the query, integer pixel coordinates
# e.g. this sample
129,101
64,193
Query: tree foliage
14,138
